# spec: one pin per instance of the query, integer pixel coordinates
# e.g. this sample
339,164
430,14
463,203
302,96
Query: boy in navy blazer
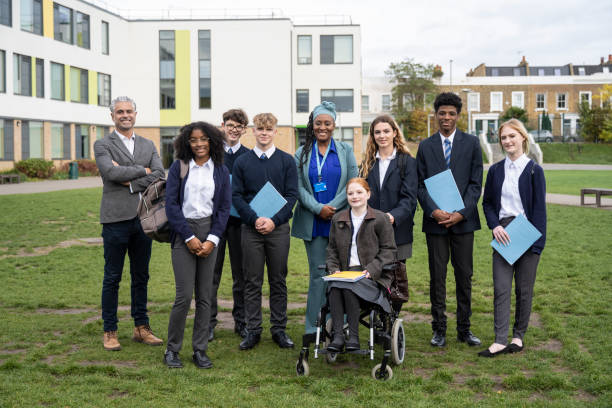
450,234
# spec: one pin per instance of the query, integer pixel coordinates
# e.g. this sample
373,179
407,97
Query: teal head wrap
325,108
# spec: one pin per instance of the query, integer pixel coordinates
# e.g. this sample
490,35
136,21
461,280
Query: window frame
75,17
565,100
105,37
499,107
19,90
63,80
589,99
386,108
324,57
202,79
339,107
104,99
83,85
56,24
37,20
471,96
297,101
308,60
8,20
2,71
39,92
171,102
522,95
365,107
543,101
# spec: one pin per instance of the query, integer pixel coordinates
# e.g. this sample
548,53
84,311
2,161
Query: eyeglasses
234,128
199,140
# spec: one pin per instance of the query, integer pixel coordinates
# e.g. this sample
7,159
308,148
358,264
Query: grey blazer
118,203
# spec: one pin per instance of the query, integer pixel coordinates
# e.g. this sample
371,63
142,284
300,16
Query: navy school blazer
175,193
466,165
532,189
398,196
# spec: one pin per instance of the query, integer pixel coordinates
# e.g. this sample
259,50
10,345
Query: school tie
230,152
447,152
263,156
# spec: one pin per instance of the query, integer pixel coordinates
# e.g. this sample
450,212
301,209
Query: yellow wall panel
182,114
93,87
47,9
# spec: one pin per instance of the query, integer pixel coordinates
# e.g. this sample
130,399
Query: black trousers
459,247
232,238
273,251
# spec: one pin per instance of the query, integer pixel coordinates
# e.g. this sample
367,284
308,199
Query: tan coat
375,244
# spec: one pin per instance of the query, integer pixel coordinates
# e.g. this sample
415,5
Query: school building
61,63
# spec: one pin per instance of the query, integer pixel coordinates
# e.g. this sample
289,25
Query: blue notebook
522,236
233,211
268,201
444,192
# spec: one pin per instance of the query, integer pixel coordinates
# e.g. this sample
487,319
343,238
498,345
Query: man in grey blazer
128,164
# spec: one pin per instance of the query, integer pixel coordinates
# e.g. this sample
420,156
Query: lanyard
320,164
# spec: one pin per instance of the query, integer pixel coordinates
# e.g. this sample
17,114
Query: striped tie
447,152
263,156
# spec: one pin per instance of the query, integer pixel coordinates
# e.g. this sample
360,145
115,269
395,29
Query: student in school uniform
265,240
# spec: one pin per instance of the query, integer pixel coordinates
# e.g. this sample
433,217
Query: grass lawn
51,350
571,181
577,153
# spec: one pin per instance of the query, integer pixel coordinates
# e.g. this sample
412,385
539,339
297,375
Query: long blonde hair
371,148
519,127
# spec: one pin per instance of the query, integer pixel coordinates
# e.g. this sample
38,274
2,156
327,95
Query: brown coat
375,244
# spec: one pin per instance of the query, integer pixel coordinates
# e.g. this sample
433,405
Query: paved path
565,199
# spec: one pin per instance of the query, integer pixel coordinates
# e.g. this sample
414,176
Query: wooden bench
598,193
10,178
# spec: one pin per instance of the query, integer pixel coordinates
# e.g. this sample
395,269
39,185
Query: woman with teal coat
324,167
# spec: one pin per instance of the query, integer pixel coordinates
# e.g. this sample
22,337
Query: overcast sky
469,32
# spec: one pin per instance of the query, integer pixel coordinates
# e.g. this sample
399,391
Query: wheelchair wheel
329,357
377,373
398,342
302,369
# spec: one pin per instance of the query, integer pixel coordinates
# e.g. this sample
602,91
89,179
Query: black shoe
240,329
250,341
337,344
201,360
282,339
514,348
211,333
352,344
468,338
487,353
172,360
438,339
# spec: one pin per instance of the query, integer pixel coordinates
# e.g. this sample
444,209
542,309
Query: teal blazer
307,204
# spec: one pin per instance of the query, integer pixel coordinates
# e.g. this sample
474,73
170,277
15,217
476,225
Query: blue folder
522,236
444,192
233,211
268,201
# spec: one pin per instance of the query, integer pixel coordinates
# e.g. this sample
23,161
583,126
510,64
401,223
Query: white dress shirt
357,221
383,165
511,204
199,192
450,139
233,148
128,142
268,152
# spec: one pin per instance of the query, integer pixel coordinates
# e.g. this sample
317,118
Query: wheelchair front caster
378,374
302,369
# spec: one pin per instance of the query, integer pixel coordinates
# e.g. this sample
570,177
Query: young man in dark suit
234,125
265,240
450,234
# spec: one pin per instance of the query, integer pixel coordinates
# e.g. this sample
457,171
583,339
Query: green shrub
86,168
38,168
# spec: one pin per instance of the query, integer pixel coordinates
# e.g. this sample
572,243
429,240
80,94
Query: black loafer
468,338
172,360
250,341
201,360
488,354
438,339
514,348
211,334
282,339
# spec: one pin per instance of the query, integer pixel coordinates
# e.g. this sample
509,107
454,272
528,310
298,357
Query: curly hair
448,99
182,148
371,148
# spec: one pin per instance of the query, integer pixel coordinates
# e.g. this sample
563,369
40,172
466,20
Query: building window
57,141
518,99
585,97
541,101
336,49
22,75
561,101
35,144
301,100
365,128
204,56
82,30
166,70
344,135
2,133
494,72
82,141
497,101
6,13
2,71
557,71
79,87
541,72
304,49
516,71
62,23
473,100
104,89
31,16
105,39
386,103
365,103
343,98
167,135
40,78
57,81
581,71
101,131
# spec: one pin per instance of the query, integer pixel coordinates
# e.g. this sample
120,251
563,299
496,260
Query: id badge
320,186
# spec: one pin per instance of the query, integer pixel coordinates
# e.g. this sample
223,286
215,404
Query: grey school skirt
366,289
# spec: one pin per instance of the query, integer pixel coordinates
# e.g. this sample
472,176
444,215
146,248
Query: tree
413,91
596,121
516,113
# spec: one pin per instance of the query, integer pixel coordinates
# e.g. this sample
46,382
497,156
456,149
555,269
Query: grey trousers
524,273
316,250
273,251
191,273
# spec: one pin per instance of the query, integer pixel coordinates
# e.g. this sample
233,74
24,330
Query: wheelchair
384,329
